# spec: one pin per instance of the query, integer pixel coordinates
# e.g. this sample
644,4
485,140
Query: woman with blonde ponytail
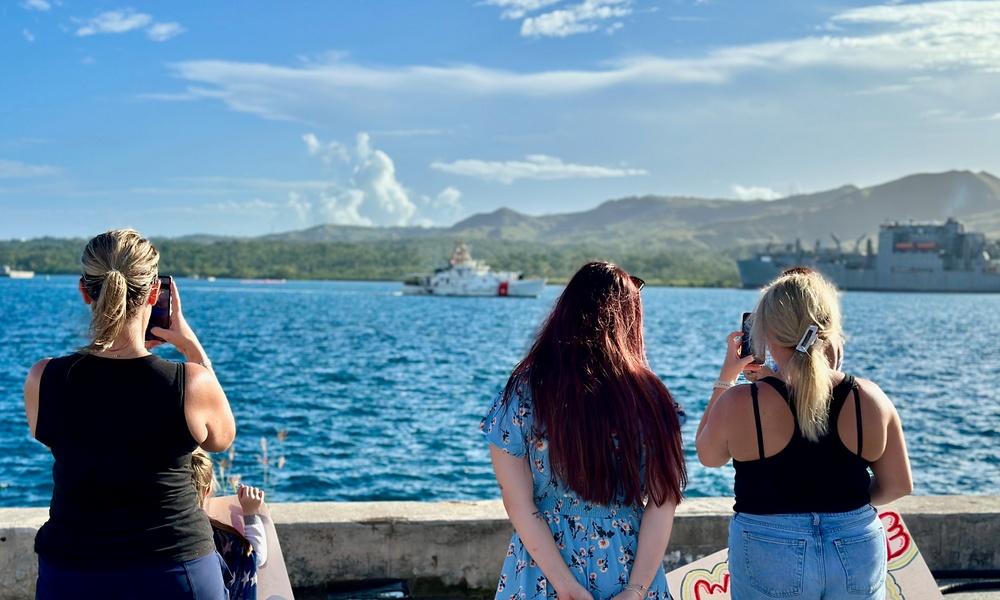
148,538
813,449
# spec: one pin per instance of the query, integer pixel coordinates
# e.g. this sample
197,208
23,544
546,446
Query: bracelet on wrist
723,384
207,363
632,589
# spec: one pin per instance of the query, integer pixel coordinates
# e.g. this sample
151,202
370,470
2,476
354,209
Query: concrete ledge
462,544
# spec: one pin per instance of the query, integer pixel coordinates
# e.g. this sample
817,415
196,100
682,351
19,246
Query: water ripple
360,393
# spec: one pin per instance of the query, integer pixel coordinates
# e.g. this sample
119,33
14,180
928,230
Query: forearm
253,528
654,535
537,538
882,495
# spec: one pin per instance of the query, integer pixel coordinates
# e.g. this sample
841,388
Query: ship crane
857,242
837,241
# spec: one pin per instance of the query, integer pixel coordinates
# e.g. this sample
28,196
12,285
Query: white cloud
328,152
36,5
517,9
932,40
376,178
755,193
160,32
125,20
535,166
28,35
12,169
568,19
577,18
115,21
371,195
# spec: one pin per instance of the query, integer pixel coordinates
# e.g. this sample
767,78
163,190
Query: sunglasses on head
639,284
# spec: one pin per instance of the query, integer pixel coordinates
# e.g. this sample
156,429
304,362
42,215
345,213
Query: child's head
202,473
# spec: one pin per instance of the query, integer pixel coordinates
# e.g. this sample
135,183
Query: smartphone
160,315
746,344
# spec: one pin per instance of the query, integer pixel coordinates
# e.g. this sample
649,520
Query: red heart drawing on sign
704,588
897,541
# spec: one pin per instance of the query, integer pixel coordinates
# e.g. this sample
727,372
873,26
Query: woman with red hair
586,445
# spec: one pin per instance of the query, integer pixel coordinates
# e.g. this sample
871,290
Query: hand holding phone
159,316
746,343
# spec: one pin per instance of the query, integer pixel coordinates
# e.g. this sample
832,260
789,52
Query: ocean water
359,393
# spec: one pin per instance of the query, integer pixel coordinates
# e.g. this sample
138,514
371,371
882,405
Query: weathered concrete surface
18,563
463,543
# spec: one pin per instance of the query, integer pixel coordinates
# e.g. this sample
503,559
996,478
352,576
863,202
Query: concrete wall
463,543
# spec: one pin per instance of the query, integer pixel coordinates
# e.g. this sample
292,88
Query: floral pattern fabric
597,542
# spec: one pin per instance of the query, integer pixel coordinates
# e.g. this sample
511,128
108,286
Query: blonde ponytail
788,308
809,382
119,270
109,310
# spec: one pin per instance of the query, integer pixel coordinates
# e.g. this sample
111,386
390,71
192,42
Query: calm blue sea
360,393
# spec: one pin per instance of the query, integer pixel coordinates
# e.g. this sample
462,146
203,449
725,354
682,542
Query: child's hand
250,499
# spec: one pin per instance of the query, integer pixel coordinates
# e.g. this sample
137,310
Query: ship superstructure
918,257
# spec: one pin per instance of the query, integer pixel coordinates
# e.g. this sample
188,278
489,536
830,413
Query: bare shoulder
200,383
35,373
875,401
34,380
733,402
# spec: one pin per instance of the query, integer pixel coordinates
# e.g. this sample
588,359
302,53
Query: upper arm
206,409
892,469
712,442
32,385
514,476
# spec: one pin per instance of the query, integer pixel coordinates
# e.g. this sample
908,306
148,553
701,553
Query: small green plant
230,480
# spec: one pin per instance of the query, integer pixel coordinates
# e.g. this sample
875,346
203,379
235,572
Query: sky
258,117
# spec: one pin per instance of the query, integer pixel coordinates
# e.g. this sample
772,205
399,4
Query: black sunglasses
639,284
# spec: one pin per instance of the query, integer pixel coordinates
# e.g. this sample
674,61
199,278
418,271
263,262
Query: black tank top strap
857,411
756,419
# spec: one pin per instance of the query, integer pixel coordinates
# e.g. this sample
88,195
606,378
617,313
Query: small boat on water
467,277
15,274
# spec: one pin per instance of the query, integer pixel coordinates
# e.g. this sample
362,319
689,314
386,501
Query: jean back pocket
774,565
864,561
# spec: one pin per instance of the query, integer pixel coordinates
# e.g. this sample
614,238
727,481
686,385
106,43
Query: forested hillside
382,260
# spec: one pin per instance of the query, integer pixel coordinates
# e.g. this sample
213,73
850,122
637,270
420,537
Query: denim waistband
807,522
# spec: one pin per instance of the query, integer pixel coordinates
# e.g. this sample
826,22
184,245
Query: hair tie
808,338
110,271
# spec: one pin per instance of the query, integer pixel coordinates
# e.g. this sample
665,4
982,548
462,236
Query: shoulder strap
756,419
857,411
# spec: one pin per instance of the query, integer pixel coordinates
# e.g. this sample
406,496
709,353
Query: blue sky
258,117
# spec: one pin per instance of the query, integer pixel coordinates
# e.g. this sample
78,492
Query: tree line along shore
386,260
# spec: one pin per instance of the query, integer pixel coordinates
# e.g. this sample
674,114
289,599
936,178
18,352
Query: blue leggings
198,579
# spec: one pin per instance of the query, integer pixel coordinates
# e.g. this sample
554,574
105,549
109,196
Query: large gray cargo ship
911,257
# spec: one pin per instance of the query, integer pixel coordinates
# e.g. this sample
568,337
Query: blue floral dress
597,542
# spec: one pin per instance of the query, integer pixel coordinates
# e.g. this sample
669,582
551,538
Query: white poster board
272,578
908,575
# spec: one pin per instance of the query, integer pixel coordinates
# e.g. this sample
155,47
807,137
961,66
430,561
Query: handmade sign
908,575
272,578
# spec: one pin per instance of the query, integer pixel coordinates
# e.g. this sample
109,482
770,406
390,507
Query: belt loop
815,519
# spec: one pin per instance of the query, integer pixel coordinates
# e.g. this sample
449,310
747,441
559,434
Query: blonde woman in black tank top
134,530
802,445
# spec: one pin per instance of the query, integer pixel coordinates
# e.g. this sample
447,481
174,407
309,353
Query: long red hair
594,398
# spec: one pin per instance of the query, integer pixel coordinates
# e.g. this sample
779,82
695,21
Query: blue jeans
198,579
834,556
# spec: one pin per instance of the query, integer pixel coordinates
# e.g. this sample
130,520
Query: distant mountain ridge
847,212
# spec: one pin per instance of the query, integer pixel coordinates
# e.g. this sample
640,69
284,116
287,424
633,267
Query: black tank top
123,496
805,477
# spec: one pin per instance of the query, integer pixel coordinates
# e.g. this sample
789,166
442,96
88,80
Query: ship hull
755,273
